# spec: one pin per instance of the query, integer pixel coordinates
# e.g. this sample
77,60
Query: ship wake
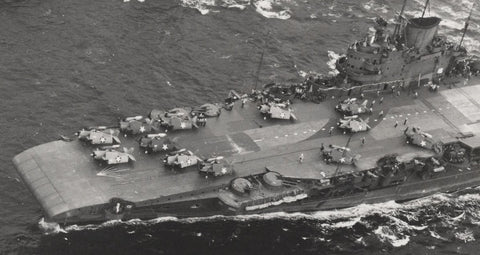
389,224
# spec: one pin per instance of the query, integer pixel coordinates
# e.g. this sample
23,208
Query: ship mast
258,69
425,8
399,19
466,25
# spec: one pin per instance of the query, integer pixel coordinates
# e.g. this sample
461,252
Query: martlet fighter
99,135
160,115
175,119
338,154
350,106
138,125
181,159
216,166
180,123
277,111
112,156
353,124
156,143
425,140
178,112
208,110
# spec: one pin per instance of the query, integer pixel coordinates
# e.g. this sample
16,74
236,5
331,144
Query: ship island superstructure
399,122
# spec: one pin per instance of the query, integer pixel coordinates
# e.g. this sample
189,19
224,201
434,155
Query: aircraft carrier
400,121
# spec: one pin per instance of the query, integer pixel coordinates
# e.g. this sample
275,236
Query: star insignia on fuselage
423,143
164,147
142,129
342,160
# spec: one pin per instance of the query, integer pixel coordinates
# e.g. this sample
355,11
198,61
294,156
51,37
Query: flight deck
63,176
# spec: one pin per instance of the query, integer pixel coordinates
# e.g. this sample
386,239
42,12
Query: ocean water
67,64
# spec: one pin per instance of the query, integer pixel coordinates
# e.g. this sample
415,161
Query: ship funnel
420,31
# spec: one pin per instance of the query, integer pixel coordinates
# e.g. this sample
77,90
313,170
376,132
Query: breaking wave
272,9
205,6
451,25
373,6
332,60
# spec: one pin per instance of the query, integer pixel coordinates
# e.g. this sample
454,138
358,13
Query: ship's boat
248,158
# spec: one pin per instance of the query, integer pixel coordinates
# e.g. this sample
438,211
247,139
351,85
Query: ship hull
213,206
